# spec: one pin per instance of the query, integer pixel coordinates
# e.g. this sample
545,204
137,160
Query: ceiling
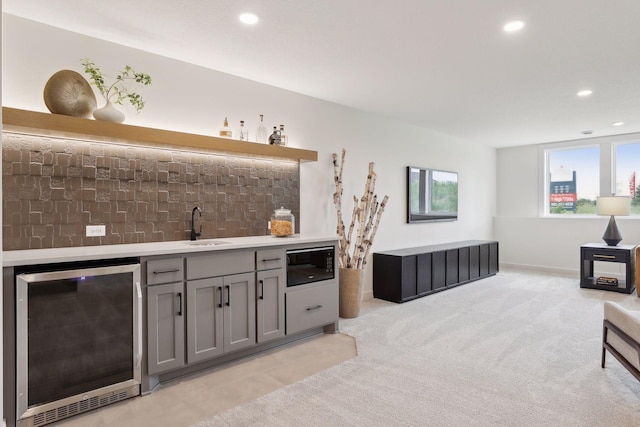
446,65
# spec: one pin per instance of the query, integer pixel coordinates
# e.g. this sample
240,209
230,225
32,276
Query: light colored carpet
516,349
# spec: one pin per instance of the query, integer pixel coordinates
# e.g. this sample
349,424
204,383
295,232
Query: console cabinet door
204,319
474,262
452,267
484,260
165,320
270,289
438,269
493,258
423,280
409,288
239,295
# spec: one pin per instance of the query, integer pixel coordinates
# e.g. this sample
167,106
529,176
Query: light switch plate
96,230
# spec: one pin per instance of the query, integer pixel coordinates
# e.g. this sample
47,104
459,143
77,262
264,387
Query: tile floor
200,396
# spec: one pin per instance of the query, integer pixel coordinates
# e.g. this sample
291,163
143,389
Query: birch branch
365,206
343,247
367,230
375,228
366,213
354,216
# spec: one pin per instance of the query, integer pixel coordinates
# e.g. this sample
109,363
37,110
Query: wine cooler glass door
78,337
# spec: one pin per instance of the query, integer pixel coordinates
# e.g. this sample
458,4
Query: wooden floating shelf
33,122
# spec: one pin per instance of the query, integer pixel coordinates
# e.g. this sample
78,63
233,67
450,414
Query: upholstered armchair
621,336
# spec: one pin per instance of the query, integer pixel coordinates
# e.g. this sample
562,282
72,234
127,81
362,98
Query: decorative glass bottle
243,133
274,139
262,136
225,131
284,139
282,223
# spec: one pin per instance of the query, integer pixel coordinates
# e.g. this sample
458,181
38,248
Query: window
573,180
627,167
576,174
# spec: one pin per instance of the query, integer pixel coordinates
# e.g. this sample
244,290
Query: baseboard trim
541,269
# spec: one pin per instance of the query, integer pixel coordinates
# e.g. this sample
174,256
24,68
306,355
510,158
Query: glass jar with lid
282,223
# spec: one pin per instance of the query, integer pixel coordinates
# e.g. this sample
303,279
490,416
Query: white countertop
85,253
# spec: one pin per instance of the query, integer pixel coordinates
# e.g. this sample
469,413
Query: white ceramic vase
109,113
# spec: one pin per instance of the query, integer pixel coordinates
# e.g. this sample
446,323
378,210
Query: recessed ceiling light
513,26
248,18
585,92
617,124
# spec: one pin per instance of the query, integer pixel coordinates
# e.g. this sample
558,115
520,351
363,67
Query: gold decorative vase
351,283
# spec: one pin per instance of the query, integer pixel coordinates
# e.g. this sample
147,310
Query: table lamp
613,205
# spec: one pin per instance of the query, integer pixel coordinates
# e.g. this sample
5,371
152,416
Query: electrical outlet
96,230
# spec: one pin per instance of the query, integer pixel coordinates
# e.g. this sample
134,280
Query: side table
623,254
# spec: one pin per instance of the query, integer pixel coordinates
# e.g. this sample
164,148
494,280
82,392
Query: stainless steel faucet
194,234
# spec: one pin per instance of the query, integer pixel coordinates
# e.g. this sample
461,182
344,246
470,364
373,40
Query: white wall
189,98
1,293
529,240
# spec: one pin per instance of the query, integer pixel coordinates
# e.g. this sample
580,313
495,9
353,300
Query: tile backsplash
54,187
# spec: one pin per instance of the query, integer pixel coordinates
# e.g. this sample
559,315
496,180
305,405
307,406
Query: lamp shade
613,205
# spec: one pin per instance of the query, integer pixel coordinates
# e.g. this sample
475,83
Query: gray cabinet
220,316
312,306
204,319
212,313
221,306
271,283
239,311
271,286
165,315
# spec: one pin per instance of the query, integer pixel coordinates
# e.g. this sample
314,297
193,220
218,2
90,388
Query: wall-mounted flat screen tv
432,195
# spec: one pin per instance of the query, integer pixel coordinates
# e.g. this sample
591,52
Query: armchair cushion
621,336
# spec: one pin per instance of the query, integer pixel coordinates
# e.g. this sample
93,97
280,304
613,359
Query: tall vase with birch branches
353,251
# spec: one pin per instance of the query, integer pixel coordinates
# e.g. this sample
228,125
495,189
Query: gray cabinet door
239,295
311,307
204,319
270,304
165,317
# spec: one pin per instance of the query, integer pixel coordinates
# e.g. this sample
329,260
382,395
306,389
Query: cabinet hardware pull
180,303
173,270
271,259
261,289
228,295
605,256
220,300
314,307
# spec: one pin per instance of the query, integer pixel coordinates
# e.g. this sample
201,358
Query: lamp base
612,235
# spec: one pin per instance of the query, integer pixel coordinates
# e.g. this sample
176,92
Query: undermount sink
206,242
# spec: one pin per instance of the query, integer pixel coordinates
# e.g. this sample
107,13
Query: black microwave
310,265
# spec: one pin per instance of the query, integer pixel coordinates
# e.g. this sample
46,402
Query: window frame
607,165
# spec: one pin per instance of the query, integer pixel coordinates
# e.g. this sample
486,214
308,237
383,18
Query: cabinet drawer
216,264
611,256
312,307
270,259
165,271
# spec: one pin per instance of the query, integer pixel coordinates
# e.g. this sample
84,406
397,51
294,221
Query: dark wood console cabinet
404,274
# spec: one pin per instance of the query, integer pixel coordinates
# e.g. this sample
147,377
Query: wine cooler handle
139,325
